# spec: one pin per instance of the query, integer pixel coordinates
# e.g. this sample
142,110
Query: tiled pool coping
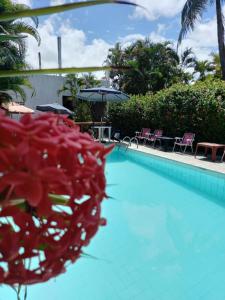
188,159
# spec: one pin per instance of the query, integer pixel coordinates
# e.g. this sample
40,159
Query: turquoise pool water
165,238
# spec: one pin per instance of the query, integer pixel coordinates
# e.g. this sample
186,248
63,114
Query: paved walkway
199,161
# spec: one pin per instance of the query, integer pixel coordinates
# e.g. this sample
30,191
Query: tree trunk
220,34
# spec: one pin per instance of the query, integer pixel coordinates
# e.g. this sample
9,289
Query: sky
88,33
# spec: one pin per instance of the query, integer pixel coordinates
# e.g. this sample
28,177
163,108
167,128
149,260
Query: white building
45,90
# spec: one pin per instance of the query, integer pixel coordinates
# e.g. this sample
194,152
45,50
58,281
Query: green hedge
198,108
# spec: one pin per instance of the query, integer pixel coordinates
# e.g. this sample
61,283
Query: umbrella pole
101,123
102,104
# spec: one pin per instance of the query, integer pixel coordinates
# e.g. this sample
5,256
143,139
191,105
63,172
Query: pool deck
199,161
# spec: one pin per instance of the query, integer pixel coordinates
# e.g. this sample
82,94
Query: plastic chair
186,141
154,137
145,132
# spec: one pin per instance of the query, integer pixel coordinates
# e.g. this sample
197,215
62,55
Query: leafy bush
198,108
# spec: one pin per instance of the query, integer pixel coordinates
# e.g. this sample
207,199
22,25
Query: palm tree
13,49
187,59
72,85
153,66
217,65
203,68
191,13
88,80
116,57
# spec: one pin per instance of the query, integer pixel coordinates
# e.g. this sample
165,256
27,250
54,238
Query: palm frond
4,97
18,90
188,58
191,13
62,90
10,37
21,28
24,13
22,7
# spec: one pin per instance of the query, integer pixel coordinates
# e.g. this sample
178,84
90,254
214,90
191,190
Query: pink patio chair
154,137
145,132
186,141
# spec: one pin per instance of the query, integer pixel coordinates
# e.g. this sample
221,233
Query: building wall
45,90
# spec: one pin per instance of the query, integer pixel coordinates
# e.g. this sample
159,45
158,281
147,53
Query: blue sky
88,33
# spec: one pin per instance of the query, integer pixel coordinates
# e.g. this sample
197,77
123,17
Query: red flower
42,159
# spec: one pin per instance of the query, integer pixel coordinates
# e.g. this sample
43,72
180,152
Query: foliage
192,12
153,66
199,108
203,68
73,84
13,49
217,65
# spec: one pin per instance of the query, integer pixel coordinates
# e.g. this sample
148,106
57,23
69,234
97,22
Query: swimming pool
165,237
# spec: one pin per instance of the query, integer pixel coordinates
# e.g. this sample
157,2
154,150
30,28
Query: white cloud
76,50
155,36
203,40
129,39
57,2
155,9
27,2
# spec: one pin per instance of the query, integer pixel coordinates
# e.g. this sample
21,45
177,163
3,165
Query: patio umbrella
16,108
98,95
102,94
54,107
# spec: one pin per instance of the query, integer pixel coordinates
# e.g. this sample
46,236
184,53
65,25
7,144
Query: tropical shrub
198,108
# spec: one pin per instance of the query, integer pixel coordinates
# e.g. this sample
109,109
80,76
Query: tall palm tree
13,49
191,13
17,29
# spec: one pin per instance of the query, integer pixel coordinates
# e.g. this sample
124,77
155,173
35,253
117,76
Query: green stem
56,199
57,9
14,73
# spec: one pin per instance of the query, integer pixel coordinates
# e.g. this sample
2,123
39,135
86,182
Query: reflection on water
150,224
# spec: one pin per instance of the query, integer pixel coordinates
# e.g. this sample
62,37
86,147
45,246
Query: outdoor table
90,123
165,142
101,131
212,146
